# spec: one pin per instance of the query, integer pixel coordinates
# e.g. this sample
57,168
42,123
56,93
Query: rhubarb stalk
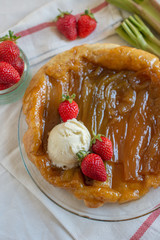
147,9
136,33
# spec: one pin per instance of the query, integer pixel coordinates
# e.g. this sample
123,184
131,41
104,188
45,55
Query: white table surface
22,216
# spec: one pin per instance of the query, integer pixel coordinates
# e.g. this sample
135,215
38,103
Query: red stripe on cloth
99,7
146,225
41,26
94,10
35,29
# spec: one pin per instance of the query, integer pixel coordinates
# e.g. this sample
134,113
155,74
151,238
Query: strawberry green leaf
68,98
10,37
62,14
95,137
88,13
81,154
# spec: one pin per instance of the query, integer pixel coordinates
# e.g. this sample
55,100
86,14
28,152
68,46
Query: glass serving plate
109,212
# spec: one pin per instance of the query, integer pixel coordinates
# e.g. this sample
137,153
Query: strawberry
9,51
66,24
18,64
102,146
92,166
8,74
86,24
5,86
68,108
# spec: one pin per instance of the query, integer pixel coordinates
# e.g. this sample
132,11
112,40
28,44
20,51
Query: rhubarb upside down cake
117,90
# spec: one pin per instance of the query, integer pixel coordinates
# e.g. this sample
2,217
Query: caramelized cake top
117,90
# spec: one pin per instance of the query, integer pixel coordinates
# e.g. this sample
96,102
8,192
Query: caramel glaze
124,106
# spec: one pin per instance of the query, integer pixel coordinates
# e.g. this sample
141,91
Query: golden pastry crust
110,56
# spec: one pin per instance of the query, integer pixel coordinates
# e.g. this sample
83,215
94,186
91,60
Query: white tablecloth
22,216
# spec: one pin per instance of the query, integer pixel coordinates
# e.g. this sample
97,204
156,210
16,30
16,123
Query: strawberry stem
95,137
62,14
10,37
68,98
81,154
89,13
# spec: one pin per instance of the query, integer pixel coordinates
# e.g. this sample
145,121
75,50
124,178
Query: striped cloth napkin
40,38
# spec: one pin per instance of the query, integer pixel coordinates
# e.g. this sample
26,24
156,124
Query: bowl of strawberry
14,69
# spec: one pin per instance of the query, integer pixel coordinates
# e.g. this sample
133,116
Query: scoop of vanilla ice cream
65,140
